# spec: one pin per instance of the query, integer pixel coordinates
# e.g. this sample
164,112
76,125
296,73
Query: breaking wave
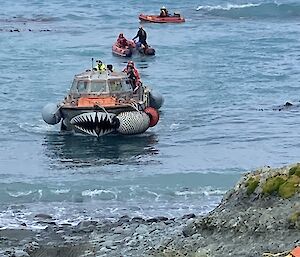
252,10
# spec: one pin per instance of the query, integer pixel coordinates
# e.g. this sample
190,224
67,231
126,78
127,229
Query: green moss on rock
251,185
295,170
290,187
272,185
287,189
295,217
294,179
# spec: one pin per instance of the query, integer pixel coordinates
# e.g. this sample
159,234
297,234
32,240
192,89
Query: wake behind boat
101,103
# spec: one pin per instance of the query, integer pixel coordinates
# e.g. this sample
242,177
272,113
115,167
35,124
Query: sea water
224,74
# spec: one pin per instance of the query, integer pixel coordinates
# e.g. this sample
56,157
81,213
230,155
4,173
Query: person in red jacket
130,65
122,41
133,75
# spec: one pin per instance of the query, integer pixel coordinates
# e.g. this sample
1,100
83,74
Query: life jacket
136,73
133,75
100,67
122,42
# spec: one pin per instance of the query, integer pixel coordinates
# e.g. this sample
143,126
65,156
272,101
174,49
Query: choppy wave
206,191
19,194
60,191
91,191
99,193
34,19
156,188
252,10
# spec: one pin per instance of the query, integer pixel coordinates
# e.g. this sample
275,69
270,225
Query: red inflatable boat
176,18
124,52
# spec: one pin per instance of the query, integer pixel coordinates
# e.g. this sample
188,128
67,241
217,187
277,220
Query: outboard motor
51,114
149,51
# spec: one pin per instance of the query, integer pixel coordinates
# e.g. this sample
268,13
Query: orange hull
125,52
93,101
158,19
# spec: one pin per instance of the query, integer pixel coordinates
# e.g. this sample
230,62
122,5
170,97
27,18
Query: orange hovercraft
101,103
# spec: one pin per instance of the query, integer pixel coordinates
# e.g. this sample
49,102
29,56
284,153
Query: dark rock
43,216
47,222
138,219
152,220
157,219
124,218
86,225
162,218
189,216
288,104
168,222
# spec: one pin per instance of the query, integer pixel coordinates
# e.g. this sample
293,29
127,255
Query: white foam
40,191
97,192
12,220
60,191
39,128
206,192
174,126
157,196
225,8
18,194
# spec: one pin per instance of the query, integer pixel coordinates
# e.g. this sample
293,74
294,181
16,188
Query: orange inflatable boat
176,18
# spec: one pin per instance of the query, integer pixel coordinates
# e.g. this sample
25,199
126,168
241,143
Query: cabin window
98,86
119,86
115,85
127,85
82,86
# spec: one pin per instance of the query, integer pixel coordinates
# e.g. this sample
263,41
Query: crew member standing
142,35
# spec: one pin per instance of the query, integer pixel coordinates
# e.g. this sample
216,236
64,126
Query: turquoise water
223,74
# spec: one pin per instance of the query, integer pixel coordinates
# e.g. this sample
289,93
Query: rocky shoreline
261,214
